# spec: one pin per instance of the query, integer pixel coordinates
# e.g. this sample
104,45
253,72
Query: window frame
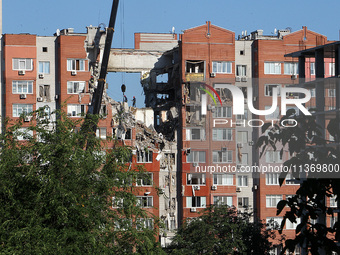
42,64
241,179
229,154
223,179
194,155
223,200
201,177
222,67
142,203
25,68
72,66
272,69
17,83
71,86
202,200
228,134
144,177
80,114
144,156
28,110
273,200
272,178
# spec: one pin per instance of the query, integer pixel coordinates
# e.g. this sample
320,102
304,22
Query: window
274,115
45,112
291,68
223,200
44,49
222,156
196,178
242,159
241,70
274,222
268,89
195,134
272,200
332,201
312,68
273,157
272,178
272,68
128,134
75,110
222,67
196,202
144,179
241,52
19,109
222,112
242,137
331,92
290,180
123,224
44,67
223,92
101,132
117,202
222,134
223,179
76,65
242,181
23,64
22,87
195,66
196,157
75,87
292,225
44,92
331,69
243,202
23,134
242,116
145,201
144,156
144,223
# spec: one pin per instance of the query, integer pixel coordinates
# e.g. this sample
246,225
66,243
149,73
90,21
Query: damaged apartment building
61,72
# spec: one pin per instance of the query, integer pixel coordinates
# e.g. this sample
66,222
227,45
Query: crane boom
98,94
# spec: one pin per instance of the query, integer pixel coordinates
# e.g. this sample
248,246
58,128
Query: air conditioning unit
27,119
41,76
294,76
238,78
192,209
22,96
213,187
238,189
239,145
244,79
39,99
196,187
21,72
212,75
251,143
73,73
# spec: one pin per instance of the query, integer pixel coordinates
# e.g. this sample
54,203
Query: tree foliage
56,196
221,230
314,162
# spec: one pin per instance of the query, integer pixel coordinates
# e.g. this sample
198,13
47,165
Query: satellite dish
58,32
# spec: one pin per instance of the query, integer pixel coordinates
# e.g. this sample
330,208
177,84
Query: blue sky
43,17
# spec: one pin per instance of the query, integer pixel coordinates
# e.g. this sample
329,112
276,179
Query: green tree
56,196
221,230
314,162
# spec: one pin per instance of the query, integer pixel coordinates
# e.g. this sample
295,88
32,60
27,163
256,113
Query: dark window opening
44,49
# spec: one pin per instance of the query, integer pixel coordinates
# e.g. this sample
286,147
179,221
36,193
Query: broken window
75,110
241,70
195,66
224,156
196,179
144,179
101,133
196,202
75,87
145,201
44,92
223,92
128,134
195,134
103,110
144,156
194,116
243,202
